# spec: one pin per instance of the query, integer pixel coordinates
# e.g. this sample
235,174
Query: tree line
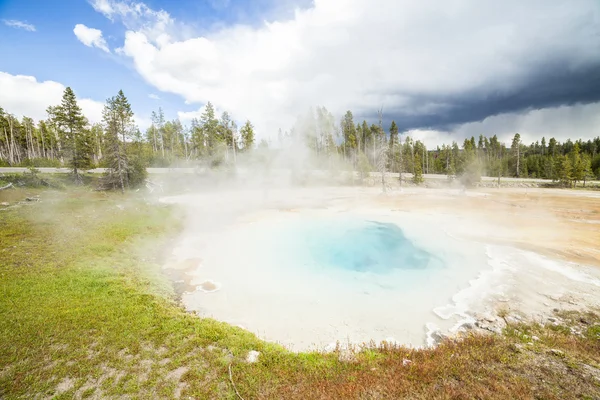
369,147
66,138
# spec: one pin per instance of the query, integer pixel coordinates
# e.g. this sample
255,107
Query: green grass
85,312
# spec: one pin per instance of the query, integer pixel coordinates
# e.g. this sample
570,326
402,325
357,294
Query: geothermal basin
313,269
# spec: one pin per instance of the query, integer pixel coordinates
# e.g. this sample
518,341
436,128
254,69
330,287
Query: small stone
583,321
468,326
438,336
252,356
556,352
5,204
517,347
481,324
552,319
535,338
406,362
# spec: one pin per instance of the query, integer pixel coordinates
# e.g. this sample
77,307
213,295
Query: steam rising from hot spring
309,268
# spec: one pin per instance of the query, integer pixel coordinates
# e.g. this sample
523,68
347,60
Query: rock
535,338
517,347
406,362
467,326
489,318
584,321
556,352
438,337
5,204
252,356
482,325
552,319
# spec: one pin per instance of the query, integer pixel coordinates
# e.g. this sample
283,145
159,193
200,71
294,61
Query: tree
392,144
349,133
564,170
113,116
576,163
72,126
418,174
227,132
198,138
586,162
247,133
210,126
516,151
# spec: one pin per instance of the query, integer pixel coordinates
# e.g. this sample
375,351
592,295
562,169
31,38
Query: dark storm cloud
551,86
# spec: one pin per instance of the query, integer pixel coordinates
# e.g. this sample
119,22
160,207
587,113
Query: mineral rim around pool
338,270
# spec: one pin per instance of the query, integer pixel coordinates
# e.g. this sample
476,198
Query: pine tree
576,163
516,151
247,133
349,132
418,174
564,170
586,162
72,126
118,124
393,145
210,127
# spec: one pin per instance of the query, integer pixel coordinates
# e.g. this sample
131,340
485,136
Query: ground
86,312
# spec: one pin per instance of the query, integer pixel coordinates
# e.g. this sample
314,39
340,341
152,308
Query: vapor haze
431,65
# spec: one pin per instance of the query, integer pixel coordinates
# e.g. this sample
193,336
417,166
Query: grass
85,312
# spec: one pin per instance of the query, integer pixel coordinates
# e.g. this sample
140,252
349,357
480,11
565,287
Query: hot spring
326,268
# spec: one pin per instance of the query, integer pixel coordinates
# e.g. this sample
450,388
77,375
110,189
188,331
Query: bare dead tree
382,151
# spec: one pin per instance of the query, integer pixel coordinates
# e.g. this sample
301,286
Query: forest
67,139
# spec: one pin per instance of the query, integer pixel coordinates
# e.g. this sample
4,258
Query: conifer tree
72,127
118,124
393,145
418,174
210,128
247,133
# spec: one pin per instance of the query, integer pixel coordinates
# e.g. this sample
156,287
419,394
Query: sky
443,70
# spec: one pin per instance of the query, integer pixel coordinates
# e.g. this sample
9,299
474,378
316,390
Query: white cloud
19,24
24,95
154,96
90,37
403,55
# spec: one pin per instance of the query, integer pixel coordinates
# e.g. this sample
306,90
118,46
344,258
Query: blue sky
442,70
53,52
